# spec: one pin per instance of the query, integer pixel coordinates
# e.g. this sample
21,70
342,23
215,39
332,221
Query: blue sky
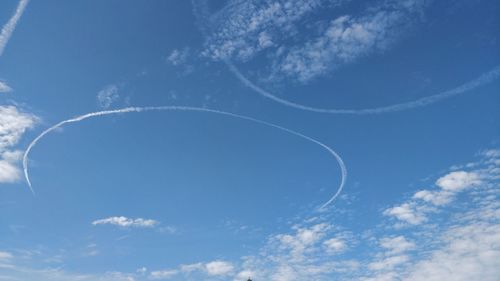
210,146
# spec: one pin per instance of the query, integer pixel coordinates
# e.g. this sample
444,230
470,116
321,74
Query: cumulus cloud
407,212
107,96
335,245
424,201
457,181
471,251
437,198
13,124
126,222
466,247
396,245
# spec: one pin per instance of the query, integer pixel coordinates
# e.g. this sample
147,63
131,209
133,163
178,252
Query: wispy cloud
216,268
244,28
107,96
126,222
178,57
4,88
5,256
162,274
347,39
13,124
9,27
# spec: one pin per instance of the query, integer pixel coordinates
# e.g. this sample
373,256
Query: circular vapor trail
185,108
200,9
485,78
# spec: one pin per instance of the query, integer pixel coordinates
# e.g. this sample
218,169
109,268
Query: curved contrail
184,108
485,78
9,27
202,14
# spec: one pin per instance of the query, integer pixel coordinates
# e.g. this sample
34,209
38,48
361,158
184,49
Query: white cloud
388,263
466,247
265,40
4,88
13,124
470,250
437,198
396,245
219,268
347,39
407,212
127,222
162,274
244,29
303,241
178,57
191,267
459,180
245,275
107,96
414,211
335,245
5,256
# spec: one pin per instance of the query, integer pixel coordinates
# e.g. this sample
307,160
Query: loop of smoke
483,79
205,25
184,108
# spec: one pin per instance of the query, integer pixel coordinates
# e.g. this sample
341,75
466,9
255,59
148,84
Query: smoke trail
205,23
485,78
184,108
9,27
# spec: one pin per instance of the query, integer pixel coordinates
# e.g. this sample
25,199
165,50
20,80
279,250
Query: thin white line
184,108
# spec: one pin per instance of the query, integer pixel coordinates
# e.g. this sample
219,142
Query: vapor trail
485,78
184,108
202,14
9,27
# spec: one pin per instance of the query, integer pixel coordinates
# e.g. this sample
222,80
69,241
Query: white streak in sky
485,78
184,108
9,27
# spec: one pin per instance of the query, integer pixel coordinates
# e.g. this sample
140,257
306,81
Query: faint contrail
9,27
185,108
202,14
485,78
